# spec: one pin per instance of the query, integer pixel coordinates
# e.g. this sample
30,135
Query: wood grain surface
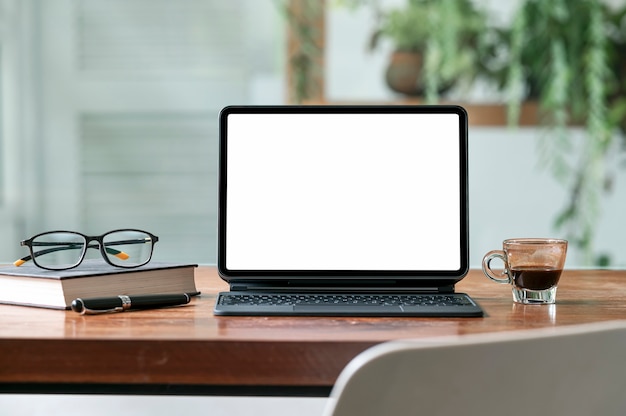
187,345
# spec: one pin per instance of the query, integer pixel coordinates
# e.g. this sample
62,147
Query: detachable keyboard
341,304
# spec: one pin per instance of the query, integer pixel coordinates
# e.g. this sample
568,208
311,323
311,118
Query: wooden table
187,350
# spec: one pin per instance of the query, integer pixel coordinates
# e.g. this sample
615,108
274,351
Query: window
126,95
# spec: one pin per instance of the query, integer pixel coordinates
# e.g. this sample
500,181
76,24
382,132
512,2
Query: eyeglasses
62,250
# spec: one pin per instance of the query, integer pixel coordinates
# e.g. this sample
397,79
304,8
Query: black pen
121,303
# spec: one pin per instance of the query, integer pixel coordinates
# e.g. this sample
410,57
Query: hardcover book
32,286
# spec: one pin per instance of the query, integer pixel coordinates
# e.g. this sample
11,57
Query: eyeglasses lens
128,248
58,250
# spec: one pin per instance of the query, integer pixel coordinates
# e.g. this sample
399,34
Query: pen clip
87,311
126,304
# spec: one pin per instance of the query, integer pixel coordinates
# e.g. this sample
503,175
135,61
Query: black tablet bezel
428,277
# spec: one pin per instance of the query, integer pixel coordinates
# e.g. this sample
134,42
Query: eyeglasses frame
88,239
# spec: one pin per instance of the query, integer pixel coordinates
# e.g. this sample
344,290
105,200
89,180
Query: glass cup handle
496,254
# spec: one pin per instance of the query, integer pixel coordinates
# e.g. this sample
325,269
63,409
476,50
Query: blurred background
108,119
109,109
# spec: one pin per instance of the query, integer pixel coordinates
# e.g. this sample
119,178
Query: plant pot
404,73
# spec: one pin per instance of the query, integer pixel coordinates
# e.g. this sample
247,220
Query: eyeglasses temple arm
116,253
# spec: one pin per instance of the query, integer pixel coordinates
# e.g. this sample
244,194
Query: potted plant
563,56
437,44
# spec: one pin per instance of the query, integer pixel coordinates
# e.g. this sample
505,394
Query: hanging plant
305,49
562,56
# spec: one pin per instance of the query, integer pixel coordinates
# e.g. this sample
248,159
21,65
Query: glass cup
532,266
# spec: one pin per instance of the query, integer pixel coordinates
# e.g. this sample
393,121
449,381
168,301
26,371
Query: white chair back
570,370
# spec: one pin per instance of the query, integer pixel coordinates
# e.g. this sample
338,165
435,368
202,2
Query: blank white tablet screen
343,192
